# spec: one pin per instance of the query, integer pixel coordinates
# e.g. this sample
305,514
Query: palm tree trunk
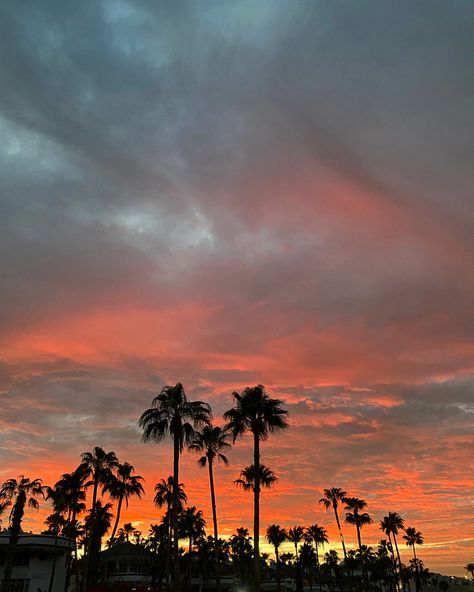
256,511
85,575
399,562
175,513
214,520
277,556
189,561
170,549
15,529
341,536
417,574
117,519
319,568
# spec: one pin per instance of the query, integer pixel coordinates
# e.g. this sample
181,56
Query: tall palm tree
319,536
192,527
295,536
254,411
56,522
240,544
173,414
332,498
98,523
98,466
72,487
248,478
20,492
356,517
413,537
122,487
391,524
276,536
164,497
354,507
211,441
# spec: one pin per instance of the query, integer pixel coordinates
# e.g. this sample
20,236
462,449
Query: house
33,562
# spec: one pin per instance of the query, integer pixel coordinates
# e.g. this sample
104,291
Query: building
33,562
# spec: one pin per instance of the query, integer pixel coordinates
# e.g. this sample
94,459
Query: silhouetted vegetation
109,484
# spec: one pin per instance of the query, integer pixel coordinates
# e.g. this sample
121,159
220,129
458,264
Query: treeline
190,426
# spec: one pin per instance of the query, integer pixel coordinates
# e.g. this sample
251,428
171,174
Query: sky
231,193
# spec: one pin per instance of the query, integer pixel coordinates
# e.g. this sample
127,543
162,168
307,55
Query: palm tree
354,506
97,524
72,484
122,487
21,493
307,558
391,524
164,497
332,498
192,526
240,544
97,465
319,536
469,567
174,415
276,536
210,441
256,412
295,536
413,537
56,522
248,478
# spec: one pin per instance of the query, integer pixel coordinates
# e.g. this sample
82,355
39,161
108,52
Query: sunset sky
228,193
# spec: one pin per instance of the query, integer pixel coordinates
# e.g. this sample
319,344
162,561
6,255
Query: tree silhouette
122,487
332,498
210,442
97,465
20,493
319,536
276,536
391,524
413,537
248,478
172,414
469,567
255,412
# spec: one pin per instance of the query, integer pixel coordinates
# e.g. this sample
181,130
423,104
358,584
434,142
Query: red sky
285,199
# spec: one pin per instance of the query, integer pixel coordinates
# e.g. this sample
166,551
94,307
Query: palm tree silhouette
332,498
354,507
174,415
192,527
319,536
211,441
164,497
99,466
413,537
391,525
97,524
248,478
21,493
240,544
276,536
256,412
72,487
122,487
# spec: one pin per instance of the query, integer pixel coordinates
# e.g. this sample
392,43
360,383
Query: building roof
126,549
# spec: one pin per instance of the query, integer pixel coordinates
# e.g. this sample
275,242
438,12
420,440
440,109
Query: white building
34,561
